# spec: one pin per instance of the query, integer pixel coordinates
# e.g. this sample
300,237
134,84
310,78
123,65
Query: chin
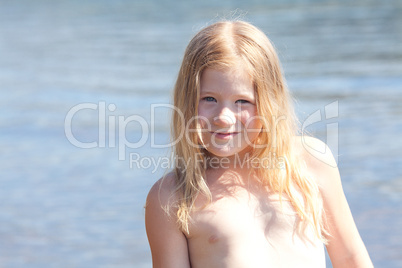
225,152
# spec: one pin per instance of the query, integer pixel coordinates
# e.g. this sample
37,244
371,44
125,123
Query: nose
225,118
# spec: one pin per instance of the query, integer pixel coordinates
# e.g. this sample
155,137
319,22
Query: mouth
224,135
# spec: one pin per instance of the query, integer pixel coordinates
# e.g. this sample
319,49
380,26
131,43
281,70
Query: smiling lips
224,135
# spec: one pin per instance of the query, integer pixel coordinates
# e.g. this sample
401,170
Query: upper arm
168,244
345,247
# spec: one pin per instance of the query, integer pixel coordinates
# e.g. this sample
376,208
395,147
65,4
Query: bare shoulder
159,201
162,192
167,242
319,160
345,247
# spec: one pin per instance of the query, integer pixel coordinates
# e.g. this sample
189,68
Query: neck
237,162
234,170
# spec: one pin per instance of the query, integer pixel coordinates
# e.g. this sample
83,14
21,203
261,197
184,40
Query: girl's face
228,117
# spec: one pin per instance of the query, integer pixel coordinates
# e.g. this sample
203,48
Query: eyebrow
237,96
209,91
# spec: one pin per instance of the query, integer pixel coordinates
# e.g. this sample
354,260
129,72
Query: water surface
63,206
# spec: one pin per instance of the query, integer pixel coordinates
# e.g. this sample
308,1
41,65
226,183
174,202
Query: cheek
205,113
201,115
250,119
244,116
252,123
202,121
254,127
204,110
200,109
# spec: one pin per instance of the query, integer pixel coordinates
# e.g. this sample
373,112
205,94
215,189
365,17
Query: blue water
64,206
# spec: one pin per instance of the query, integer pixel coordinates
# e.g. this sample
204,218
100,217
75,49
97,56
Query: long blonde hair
226,44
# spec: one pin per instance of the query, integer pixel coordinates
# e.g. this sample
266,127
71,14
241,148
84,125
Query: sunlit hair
225,45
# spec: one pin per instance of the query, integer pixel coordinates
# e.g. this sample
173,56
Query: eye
242,101
209,99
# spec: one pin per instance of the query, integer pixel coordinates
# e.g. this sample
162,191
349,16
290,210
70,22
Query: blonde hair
227,44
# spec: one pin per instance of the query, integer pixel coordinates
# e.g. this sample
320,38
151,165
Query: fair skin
244,225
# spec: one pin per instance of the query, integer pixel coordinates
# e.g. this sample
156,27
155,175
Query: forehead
230,81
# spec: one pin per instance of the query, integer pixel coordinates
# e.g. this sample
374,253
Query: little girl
244,192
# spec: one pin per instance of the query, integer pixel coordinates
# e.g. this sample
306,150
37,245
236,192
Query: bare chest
244,226
244,214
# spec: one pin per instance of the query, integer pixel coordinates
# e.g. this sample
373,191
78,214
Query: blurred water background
65,206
